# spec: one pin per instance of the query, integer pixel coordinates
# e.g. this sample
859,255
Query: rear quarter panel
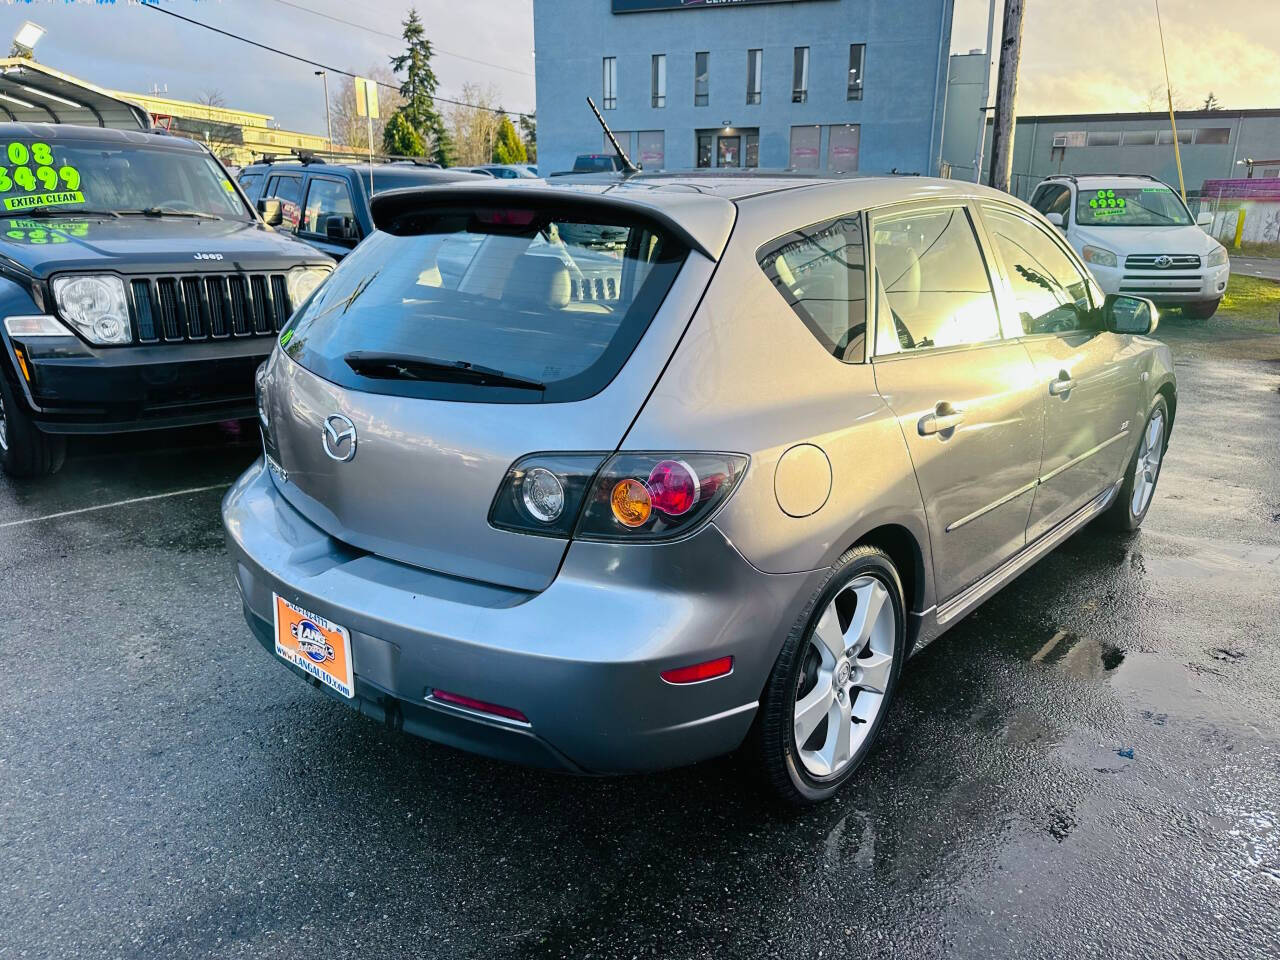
748,377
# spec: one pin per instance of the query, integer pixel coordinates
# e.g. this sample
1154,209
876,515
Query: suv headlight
301,282
1098,256
1217,258
95,306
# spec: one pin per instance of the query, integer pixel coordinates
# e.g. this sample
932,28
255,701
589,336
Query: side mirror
1122,314
272,211
339,229
1056,219
1204,220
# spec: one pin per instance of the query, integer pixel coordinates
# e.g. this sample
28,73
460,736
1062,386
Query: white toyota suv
1138,238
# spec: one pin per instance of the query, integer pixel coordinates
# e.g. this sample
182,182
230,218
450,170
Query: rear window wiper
41,213
167,212
393,366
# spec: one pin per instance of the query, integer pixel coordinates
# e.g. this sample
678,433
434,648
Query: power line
322,66
396,36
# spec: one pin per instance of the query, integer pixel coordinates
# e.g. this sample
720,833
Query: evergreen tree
418,90
529,134
508,148
400,139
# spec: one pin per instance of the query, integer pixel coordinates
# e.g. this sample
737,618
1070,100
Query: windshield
496,305
81,177
1131,207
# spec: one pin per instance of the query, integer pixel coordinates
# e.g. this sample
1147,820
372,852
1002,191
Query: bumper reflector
699,671
480,706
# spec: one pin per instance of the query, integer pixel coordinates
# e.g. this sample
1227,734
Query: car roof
702,207
67,132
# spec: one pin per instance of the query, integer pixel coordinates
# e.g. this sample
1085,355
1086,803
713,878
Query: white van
1138,238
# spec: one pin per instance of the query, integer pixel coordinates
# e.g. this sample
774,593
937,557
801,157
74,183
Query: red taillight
700,671
673,487
506,217
481,706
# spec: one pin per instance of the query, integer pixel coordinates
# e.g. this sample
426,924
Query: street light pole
328,124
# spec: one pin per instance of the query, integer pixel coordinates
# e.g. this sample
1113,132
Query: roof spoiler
387,208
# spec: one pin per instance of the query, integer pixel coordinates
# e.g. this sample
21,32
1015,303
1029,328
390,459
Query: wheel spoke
813,707
830,637
836,750
873,672
871,598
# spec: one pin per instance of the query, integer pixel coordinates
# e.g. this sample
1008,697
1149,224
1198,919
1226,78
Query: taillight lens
632,497
644,496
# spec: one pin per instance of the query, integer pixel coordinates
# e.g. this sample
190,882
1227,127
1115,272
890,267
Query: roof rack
306,157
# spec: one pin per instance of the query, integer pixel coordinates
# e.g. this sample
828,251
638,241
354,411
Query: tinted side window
249,183
325,199
821,273
1052,296
931,275
1053,199
285,188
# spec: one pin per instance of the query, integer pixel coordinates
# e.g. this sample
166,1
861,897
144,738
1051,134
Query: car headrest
541,280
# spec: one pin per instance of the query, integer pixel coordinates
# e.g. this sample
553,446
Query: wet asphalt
1088,765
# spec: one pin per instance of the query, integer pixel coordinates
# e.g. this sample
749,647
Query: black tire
774,739
25,450
1121,515
1201,310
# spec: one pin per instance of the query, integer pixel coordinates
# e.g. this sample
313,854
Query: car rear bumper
580,659
1169,286
75,388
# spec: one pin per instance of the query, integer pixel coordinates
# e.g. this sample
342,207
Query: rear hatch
476,327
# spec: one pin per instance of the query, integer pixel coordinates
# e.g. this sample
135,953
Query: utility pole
1006,95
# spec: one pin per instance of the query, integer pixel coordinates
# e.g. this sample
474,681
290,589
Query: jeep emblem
208,256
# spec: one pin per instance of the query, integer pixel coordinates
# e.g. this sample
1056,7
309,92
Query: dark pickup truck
138,288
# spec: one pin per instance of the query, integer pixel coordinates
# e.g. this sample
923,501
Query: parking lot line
109,506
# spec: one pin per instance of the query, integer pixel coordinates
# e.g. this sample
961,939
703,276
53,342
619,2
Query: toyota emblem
1164,261
339,437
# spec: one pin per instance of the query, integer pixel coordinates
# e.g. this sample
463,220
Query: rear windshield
501,305
73,177
1155,206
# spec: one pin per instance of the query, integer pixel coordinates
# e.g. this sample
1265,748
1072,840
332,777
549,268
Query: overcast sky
1078,56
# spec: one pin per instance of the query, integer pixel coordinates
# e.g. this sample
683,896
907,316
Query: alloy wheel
1147,468
844,676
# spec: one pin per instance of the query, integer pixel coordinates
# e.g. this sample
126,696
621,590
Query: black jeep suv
138,288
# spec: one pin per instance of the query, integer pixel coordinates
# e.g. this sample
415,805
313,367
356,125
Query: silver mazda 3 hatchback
615,474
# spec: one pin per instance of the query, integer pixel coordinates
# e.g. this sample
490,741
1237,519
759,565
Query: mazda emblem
339,437
1164,261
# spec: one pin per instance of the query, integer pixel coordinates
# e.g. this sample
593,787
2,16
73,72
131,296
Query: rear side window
249,183
821,272
489,305
932,277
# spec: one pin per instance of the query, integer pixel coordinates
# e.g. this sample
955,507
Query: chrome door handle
1062,386
945,418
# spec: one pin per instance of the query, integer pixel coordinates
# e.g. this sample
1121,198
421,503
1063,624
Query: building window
1213,135
842,147
857,60
805,142
610,83
624,141
653,149
751,150
1166,136
658,80
755,65
1136,138
701,78
728,151
704,149
1104,138
800,76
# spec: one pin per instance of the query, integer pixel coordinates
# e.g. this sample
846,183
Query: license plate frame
314,644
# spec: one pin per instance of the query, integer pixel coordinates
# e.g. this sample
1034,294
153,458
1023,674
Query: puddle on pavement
1087,659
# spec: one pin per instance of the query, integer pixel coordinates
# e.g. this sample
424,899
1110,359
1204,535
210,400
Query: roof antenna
627,165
